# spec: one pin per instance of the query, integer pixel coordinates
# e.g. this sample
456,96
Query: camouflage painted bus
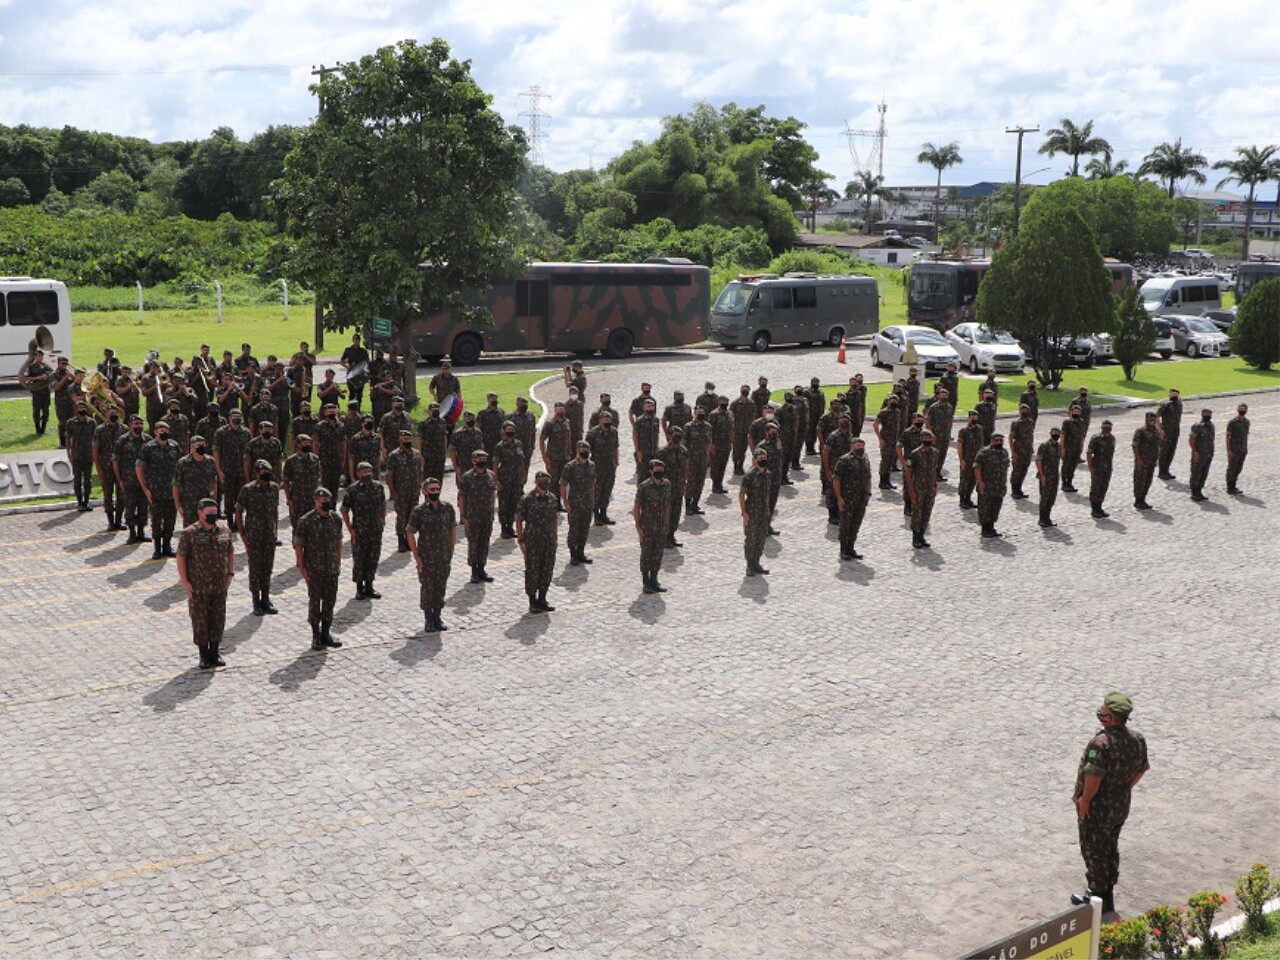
578,308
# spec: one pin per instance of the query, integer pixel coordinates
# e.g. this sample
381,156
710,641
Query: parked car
1164,338
917,241
935,353
1222,319
1197,337
981,349
1101,343
1076,353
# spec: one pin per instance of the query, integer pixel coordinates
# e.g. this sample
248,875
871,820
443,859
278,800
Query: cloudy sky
1145,71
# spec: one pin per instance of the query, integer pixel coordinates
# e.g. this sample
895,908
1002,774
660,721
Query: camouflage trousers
231,491
739,451
989,505
433,467
580,517
967,481
433,578
942,445
755,528
719,463
676,510
508,499
555,467
479,533
261,555
322,593
1235,465
855,508
82,477
135,505
697,480
651,547
109,487
540,563
365,554
1143,474
163,516
1070,460
1021,464
331,475
921,509
1200,472
208,618
1048,496
1099,481
605,480
404,506
888,458
1100,849
1168,447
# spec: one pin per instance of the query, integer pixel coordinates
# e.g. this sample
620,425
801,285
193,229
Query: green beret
1118,704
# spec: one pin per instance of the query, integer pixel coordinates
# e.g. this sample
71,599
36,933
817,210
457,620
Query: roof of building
849,241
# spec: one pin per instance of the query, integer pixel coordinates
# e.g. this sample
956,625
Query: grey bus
762,310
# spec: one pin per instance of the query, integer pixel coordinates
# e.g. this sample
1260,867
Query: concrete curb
1133,403
533,395
1236,924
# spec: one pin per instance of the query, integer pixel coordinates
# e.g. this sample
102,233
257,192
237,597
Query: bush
1135,336
1168,929
187,292
1124,940
1255,336
1203,907
810,261
1253,890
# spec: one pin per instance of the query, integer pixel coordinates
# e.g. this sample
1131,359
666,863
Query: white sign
43,473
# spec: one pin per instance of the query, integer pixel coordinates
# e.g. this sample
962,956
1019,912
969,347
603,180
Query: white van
1185,295
763,310
38,310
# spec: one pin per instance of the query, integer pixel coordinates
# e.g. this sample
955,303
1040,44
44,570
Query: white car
935,353
981,349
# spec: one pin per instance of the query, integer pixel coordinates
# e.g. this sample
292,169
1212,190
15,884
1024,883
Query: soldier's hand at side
187,587
1082,808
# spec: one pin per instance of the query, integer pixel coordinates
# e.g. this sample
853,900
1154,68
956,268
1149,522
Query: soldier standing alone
257,517
206,564
364,511
317,547
537,520
433,535
1201,440
1170,415
754,496
1146,451
650,513
1237,447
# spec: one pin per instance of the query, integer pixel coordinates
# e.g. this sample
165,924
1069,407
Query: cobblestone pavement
870,759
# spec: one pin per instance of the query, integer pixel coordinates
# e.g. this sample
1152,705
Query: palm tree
1171,162
868,187
1252,167
1103,169
1075,142
947,155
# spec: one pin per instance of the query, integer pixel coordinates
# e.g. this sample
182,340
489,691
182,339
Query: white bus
38,310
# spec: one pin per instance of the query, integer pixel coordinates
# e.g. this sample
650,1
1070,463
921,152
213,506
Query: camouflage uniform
158,462
676,415
923,461
269,449
1049,456
578,487
773,447
653,498
1031,398
721,424
206,554
986,418
950,381
855,399
1203,435
912,389
647,432
939,417
675,458
1022,440
697,441
742,412
1117,755
557,437
1102,449
179,429
1170,415
1086,410
527,431
304,426
489,422
259,506
352,423
479,487
1237,449
575,412
42,396
230,448
194,480
908,442
135,502
465,442
968,442
389,428
404,476
433,524
786,420
511,469
433,441
79,444
993,465
802,428
364,448
444,384
890,427
331,440
760,397
707,400
104,440
853,472
836,445
264,411
539,517
816,401
209,425
604,453
1147,440
365,502
600,411
301,475
757,489
319,536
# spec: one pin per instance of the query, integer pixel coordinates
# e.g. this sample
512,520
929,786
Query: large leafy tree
940,158
407,163
1172,162
1252,167
867,187
1075,142
1255,335
1048,286
1128,218
1135,335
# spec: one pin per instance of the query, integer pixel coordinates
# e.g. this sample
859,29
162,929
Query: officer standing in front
851,489
206,564
433,534
364,511
1201,438
537,521
257,514
991,473
1113,763
651,513
921,478
317,548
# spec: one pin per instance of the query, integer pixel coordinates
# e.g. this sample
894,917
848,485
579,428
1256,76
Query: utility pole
1017,177
322,71
535,96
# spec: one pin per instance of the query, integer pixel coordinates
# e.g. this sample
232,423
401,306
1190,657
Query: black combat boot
604,517
657,587
507,532
484,575
205,663
906,507
1109,900
267,606
475,575
317,643
168,547
402,543
439,623
369,592
141,536
846,551
326,637
718,488
359,589
648,583
582,556
853,551
573,558
886,485
917,541
759,569
1045,521
428,622
215,658
542,601
833,516
672,542
1097,511
257,604
534,606
966,503
158,552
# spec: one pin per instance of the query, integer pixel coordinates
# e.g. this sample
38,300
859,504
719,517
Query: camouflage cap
583,445
540,474
508,423
162,423
1118,703
491,396
322,492
656,463
446,362
198,439
135,418
262,465
206,502
364,465
427,482
468,415
677,431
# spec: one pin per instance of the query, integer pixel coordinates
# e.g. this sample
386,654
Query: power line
1017,178
535,96
227,68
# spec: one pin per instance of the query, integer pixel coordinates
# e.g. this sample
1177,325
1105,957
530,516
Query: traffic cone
840,355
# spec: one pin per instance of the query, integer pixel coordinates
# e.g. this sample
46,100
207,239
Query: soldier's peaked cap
364,465
206,502
479,455
262,465
1118,703
322,492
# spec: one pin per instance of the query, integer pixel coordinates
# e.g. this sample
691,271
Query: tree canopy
1171,162
1128,218
1255,335
1074,142
1252,167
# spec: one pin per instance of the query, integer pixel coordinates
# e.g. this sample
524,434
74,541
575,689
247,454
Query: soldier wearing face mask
720,424
755,496
920,474
887,426
317,548
304,422
265,446
1201,439
1073,436
364,511
851,489
80,430
330,445
603,439
760,426
206,564
527,427
578,498
404,480
364,446
575,413
476,491
154,470
743,413
301,475
646,431
195,478
128,446
1048,467
489,422
510,469
697,440
230,453
556,442
433,441
991,472
651,514
537,521
969,440
104,449
257,517
1101,455
433,534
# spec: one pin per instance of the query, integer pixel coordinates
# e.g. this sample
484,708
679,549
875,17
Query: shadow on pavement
294,675
571,578
755,589
286,579
528,628
1209,506
111,554
167,598
855,571
1248,501
647,608
1115,526
1002,547
1155,516
61,520
929,559
143,571
185,686
245,628
89,542
421,646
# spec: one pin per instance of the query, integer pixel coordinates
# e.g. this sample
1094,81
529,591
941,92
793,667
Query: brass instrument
43,340
98,395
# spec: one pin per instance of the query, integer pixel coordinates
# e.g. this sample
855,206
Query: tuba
43,340
98,395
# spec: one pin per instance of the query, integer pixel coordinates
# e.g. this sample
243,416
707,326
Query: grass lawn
1264,948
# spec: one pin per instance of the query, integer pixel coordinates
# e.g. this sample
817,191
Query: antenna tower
875,159
535,96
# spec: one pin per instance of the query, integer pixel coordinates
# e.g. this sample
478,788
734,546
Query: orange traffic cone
840,355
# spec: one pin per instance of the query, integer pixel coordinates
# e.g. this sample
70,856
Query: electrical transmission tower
875,158
535,96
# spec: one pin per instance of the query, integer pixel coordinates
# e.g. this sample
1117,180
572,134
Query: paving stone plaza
867,759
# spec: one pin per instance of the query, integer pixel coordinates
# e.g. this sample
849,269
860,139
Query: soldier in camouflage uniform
265,446
912,390
785,417
646,432
606,406
950,382
851,490
761,395
1031,399
855,401
510,470
837,444
899,394
708,399
1170,415
921,475
1146,451
603,438
537,523
829,422
527,427
465,442
1022,447
697,440
476,492
391,424
802,425
908,441
195,478
489,422
991,473
772,446
444,383
364,511
206,564
887,426
675,460
987,415
742,412
301,476
330,444
1086,407
938,417
230,451
651,514
128,446
575,413
352,421
1113,763
104,451
304,423
721,423
1237,446
433,534
1073,437
761,424
209,425
816,400
1048,466
576,379
1100,455
257,513
636,409
264,411
556,443
404,478
754,498
317,547
676,414
154,470
364,447
433,442
179,425
79,432
578,497
1201,440
968,443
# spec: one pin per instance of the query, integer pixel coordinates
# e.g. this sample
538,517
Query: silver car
981,349
934,352
1197,337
